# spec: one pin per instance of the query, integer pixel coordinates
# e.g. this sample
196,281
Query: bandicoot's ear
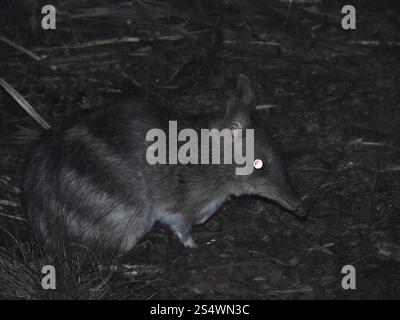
245,90
237,114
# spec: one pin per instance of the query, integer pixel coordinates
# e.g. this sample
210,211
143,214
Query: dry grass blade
20,48
8,203
18,280
12,217
24,104
374,43
104,42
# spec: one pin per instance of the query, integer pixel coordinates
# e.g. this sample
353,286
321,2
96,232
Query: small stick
254,42
24,104
299,290
360,141
373,43
20,48
8,203
265,106
393,167
104,42
326,17
12,217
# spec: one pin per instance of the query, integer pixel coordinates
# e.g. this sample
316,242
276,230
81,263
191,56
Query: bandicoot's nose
302,211
298,207
305,207
290,200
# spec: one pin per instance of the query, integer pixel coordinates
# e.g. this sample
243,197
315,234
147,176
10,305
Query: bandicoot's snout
293,203
303,208
302,211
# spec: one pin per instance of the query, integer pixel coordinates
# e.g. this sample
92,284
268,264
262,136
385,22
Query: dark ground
336,115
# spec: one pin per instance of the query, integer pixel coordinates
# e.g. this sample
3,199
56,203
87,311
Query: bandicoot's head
268,176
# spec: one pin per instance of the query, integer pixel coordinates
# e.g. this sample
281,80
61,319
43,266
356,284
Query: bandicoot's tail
27,136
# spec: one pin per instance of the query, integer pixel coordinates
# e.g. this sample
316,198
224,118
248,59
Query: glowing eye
258,164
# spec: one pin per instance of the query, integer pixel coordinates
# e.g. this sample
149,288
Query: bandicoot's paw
187,241
190,243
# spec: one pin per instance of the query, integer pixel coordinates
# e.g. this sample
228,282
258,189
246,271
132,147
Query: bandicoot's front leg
183,230
182,227
187,240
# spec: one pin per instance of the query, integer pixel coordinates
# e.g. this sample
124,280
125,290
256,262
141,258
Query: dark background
336,114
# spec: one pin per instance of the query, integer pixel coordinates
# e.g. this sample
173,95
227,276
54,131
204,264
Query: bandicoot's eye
258,164
236,125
